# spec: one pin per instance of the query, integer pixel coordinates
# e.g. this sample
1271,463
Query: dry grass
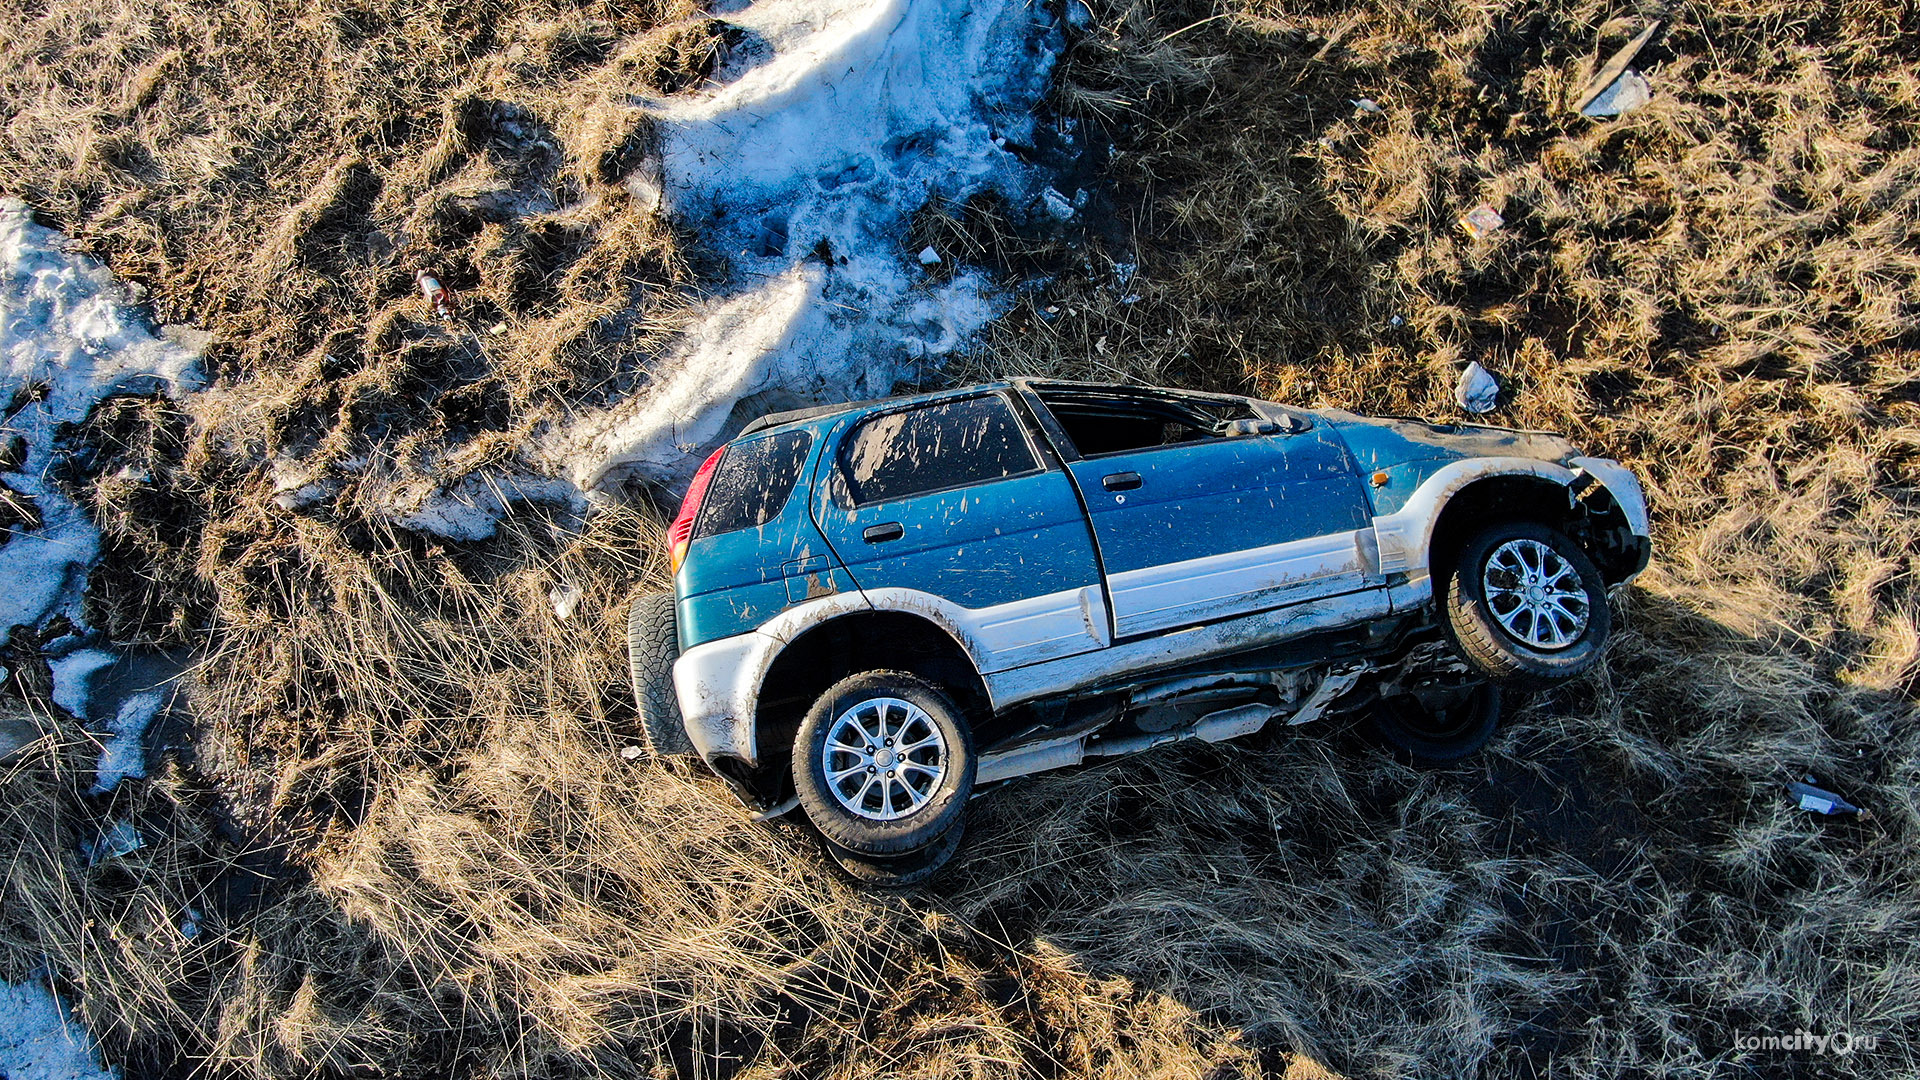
463,876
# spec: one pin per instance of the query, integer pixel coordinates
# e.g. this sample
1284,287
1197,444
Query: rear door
1204,510
959,499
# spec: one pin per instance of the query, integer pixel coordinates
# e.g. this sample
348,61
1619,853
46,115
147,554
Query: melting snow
804,169
37,1042
69,336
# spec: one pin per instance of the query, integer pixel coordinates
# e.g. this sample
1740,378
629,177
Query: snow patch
470,508
38,1042
70,336
804,170
126,751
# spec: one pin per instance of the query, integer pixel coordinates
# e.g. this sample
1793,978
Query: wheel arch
1429,530
845,644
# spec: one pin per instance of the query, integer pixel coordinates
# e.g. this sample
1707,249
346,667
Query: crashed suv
880,608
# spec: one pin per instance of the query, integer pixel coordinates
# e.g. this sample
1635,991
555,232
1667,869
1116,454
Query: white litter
1477,391
118,839
1628,92
564,598
827,141
929,257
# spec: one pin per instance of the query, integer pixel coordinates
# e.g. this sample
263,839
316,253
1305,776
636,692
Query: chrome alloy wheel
884,758
1536,595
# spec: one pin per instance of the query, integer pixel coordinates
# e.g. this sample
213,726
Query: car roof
821,412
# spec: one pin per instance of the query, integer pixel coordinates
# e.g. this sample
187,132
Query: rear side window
753,482
935,447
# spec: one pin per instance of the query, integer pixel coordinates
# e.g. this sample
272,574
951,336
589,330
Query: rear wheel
653,644
1525,604
1438,725
883,763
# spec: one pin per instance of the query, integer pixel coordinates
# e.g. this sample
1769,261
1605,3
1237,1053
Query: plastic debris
116,840
1821,801
1482,221
632,753
929,257
1368,105
17,730
1477,391
1616,88
1627,93
437,294
565,598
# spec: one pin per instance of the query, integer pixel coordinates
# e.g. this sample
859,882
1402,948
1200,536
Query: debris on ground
564,598
1477,391
1368,105
18,729
115,841
437,294
1822,801
1482,221
929,257
633,753
1617,88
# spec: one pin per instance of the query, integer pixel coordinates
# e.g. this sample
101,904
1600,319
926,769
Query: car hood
1380,443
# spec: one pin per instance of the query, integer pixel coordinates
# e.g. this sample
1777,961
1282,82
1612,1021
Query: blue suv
880,607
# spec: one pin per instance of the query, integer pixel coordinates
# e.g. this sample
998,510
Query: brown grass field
403,811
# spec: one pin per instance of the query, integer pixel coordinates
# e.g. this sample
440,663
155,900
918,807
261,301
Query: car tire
1494,613
897,871
892,805
1437,733
653,644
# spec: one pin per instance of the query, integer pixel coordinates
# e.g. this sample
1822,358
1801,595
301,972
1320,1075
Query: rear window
935,447
753,482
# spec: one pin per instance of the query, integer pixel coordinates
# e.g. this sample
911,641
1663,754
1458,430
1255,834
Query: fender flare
718,683
1405,536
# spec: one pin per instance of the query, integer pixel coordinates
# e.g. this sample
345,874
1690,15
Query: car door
956,498
1203,510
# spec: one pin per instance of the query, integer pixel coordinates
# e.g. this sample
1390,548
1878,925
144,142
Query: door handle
880,534
1120,481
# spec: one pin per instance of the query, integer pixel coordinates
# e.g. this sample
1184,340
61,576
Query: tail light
681,533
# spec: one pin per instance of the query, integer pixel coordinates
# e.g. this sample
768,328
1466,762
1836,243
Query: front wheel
1524,604
883,763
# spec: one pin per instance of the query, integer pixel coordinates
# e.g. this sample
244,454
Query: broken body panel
1080,542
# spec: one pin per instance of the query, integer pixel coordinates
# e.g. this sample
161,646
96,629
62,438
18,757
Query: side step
1214,727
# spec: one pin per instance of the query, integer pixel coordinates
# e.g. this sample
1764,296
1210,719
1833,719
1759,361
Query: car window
945,445
1109,423
753,482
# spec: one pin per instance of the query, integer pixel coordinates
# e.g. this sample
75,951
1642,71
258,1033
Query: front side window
934,447
753,482
1105,423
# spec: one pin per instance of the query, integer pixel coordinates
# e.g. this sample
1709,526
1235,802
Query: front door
1204,510
955,500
